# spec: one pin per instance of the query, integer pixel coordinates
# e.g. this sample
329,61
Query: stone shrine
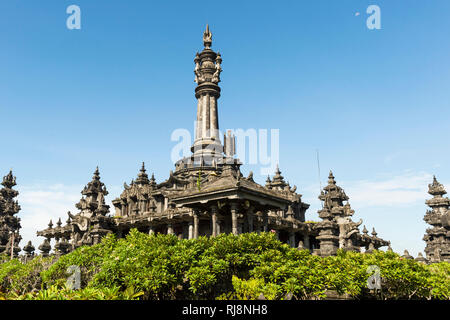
437,237
9,223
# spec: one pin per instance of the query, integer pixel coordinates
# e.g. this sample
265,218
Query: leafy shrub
224,267
19,278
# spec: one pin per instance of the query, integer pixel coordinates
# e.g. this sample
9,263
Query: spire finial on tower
374,233
331,178
365,231
142,177
96,174
207,37
436,188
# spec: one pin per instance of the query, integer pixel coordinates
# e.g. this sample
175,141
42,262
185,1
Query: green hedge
143,266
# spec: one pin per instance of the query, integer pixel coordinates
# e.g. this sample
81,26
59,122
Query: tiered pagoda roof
437,237
9,223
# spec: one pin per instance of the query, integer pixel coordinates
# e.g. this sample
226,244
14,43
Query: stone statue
216,75
198,75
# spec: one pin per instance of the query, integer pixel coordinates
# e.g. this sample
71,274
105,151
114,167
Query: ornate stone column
169,229
292,239
214,220
266,222
166,203
195,216
190,229
234,221
306,243
218,226
250,219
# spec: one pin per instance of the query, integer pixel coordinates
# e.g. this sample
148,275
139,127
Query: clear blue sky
375,103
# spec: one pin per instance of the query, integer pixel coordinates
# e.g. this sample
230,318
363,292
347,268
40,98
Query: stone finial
436,188
207,38
59,223
278,179
93,188
153,180
406,255
331,180
268,181
374,233
365,231
45,247
9,180
420,258
50,224
142,178
96,174
29,249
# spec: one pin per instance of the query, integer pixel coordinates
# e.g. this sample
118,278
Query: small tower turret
437,237
9,223
142,178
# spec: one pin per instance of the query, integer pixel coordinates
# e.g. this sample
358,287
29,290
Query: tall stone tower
209,155
9,223
207,71
437,238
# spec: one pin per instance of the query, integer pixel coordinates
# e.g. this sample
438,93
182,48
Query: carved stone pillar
169,229
166,203
266,222
292,239
190,229
250,219
214,220
218,226
195,214
234,221
306,243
